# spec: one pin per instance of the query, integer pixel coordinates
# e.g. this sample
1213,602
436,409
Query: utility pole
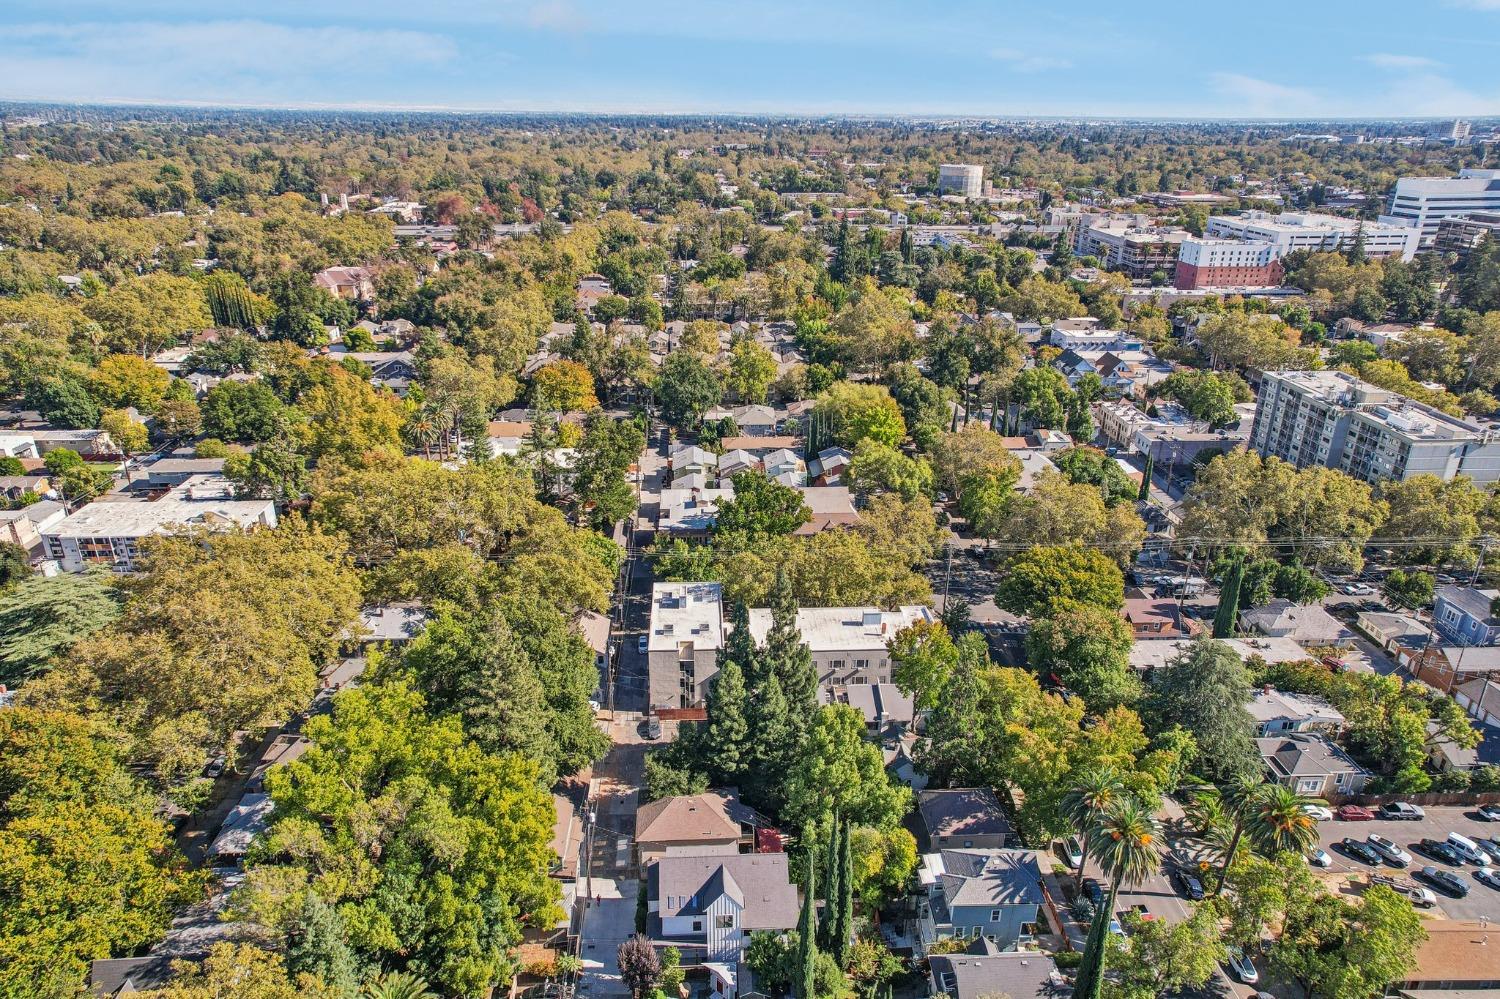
947,573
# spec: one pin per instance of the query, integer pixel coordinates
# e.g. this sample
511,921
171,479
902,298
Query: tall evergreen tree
831,886
789,657
726,734
740,648
1229,600
844,904
771,747
1145,492
807,932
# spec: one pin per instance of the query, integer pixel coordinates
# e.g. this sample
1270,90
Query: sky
1071,58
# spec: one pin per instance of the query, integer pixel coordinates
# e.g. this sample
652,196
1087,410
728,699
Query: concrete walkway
608,921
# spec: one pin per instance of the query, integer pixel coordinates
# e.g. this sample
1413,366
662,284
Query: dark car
1360,850
1093,891
1438,850
1188,885
1489,813
1444,881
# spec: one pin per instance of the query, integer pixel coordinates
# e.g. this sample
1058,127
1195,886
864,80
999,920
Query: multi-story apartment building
1423,202
1311,231
966,179
108,532
1460,234
1227,263
1333,419
1123,245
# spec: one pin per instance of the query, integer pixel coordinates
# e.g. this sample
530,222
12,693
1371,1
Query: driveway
608,921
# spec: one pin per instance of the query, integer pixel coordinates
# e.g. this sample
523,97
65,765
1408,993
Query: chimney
1267,689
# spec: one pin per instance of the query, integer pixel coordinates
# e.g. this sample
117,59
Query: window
723,922
1309,785
836,664
994,915
861,664
697,926
968,842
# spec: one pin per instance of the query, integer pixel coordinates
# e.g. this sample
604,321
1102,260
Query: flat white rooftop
686,612
836,629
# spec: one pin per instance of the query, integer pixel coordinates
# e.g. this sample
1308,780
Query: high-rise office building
1425,201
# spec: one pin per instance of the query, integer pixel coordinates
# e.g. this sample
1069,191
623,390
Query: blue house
1463,615
968,894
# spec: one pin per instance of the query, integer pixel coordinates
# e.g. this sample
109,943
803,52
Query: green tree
838,770
1412,590
807,931
1161,958
726,735
1205,690
248,412
686,387
1094,793
63,402
750,370
1226,617
242,971
881,468
1037,577
1124,844
1343,951
761,507
923,657
42,616
787,657
1087,647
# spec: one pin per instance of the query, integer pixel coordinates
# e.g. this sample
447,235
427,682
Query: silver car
1389,850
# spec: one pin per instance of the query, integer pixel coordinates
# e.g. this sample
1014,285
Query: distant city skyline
1376,60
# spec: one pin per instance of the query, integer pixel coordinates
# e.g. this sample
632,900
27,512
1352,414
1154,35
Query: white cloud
1027,62
1401,63
214,61
1247,95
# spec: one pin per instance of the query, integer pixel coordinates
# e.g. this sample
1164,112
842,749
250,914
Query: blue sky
1313,58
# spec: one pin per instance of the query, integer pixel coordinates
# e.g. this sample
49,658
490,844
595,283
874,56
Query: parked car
215,767
1354,813
1467,849
1319,857
1188,885
1073,850
1360,850
1241,966
1489,813
1388,850
1444,881
1418,895
1093,891
1359,590
1487,876
653,728
1490,846
1439,850
1402,810
1320,812
595,706
643,644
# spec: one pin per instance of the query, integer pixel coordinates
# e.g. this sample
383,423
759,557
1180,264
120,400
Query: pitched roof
1019,975
692,818
971,811
985,877
759,882
1300,755
1473,602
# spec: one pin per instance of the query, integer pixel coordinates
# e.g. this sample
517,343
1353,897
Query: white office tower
1425,201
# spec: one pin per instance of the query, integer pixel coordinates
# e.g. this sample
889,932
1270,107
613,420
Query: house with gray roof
968,894
983,970
1464,616
969,817
1306,624
1275,712
1310,764
707,906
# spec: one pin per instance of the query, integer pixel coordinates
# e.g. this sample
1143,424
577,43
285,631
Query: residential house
18,446
737,460
829,467
1306,624
968,894
1309,764
831,506
245,821
1275,712
13,487
507,437
1034,464
886,710
1464,615
108,531
1447,756
707,906
351,283
1455,958
700,825
689,459
690,509
389,369
983,971
24,525
1157,653
752,421
964,818
1480,697
1399,634
785,466
391,624
1150,618
594,627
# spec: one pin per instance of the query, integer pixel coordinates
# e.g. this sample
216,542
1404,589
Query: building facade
1466,616
1461,234
1334,419
1312,231
1423,202
966,179
1227,263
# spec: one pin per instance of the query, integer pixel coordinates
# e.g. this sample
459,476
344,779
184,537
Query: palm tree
1279,822
1206,815
1086,801
399,985
1123,841
1239,799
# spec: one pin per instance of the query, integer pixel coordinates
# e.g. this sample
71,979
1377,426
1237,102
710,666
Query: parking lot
1482,902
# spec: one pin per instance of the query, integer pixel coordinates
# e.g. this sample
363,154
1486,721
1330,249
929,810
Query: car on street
1073,850
1439,850
1360,850
653,728
1417,895
643,644
1241,966
1190,886
1354,813
1359,590
1320,812
1444,881
1489,813
1093,890
1319,857
1488,877
1389,850
1401,810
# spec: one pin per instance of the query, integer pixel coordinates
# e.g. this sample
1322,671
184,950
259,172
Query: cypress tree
726,734
1229,600
844,917
807,931
789,658
1145,492
831,887
1089,981
740,648
771,748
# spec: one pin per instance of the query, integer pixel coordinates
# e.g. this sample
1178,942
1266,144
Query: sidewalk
608,921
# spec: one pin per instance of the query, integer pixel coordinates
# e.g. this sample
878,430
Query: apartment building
108,531
1126,246
1227,263
1424,202
848,644
966,179
1313,231
1460,234
1334,419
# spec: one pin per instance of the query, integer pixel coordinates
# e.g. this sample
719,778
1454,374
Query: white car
1073,849
1319,858
1359,590
1388,849
1320,812
1241,966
